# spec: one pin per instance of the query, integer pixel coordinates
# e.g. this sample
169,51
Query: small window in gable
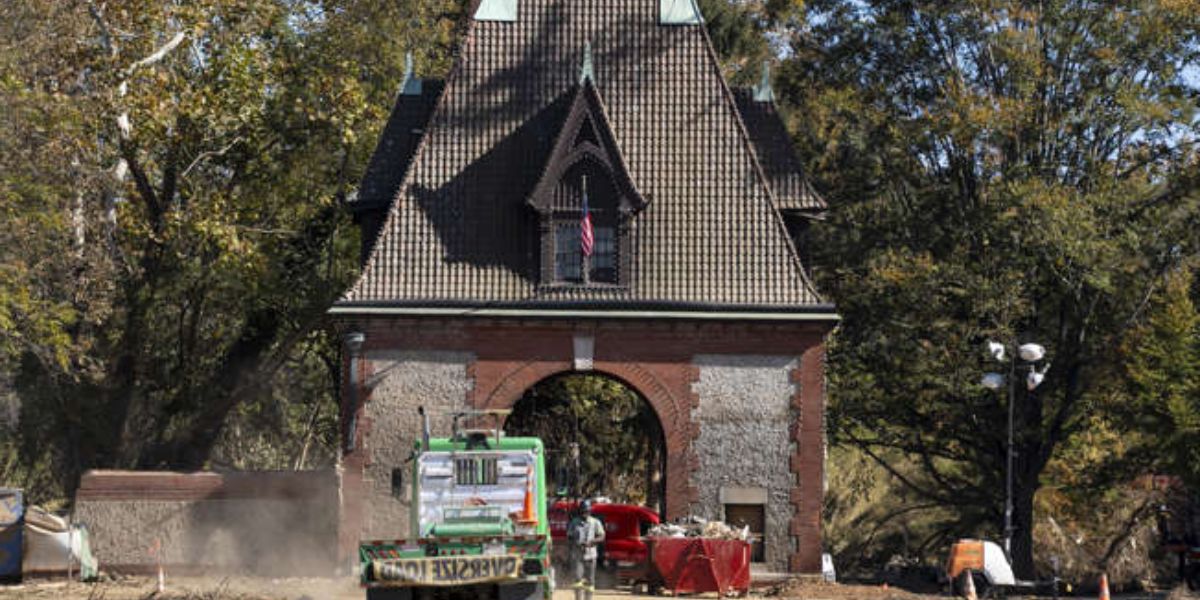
586,202
603,267
568,259
576,260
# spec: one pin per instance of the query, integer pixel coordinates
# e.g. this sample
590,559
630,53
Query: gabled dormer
585,163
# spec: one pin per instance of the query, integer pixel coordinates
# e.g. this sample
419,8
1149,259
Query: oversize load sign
448,570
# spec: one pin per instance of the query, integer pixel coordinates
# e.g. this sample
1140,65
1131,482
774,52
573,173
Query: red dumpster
697,565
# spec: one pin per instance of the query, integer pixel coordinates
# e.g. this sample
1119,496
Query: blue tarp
12,525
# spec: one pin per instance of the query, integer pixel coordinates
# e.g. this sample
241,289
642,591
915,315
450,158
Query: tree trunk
1022,541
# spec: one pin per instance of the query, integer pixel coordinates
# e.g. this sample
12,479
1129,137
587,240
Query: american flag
586,236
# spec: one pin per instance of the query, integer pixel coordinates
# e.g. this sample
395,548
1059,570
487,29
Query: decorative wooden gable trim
586,135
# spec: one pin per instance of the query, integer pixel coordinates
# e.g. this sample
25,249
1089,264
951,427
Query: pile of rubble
700,528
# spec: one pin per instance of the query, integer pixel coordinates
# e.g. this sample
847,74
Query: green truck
478,521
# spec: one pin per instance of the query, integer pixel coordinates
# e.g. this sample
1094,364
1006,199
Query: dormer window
584,190
588,206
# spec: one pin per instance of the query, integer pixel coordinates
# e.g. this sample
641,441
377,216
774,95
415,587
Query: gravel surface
251,588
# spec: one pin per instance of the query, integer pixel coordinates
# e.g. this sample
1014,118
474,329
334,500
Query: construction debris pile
700,528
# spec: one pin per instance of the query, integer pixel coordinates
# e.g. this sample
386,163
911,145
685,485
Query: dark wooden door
754,516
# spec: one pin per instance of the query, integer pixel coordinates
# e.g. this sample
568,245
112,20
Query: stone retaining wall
264,523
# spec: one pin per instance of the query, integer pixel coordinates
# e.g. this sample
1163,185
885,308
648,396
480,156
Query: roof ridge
748,144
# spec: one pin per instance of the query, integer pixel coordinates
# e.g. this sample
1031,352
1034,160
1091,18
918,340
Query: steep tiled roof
775,154
459,231
396,146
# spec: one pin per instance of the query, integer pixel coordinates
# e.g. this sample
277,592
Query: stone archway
740,408
674,414
602,438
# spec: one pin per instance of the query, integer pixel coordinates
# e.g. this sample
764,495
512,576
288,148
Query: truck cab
479,523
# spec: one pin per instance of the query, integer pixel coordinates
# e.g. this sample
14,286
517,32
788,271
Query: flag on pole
586,235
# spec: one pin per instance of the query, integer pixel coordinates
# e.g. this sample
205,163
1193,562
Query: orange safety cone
528,513
969,586
1104,586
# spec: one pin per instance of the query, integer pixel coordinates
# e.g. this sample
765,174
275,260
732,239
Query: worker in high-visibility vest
585,534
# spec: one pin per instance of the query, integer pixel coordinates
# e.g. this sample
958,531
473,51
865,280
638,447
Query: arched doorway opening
602,438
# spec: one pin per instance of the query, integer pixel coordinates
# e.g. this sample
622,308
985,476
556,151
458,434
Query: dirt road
249,588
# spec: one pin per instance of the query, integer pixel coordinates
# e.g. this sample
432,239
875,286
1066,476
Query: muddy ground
249,588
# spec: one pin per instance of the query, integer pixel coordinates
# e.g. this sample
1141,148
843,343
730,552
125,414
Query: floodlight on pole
1030,353
1035,377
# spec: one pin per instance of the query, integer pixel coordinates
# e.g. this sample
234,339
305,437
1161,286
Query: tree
172,187
996,170
1163,374
621,450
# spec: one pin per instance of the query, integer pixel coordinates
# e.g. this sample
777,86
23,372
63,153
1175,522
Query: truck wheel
525,590
389,594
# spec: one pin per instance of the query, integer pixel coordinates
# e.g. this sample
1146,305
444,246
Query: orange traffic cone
1104,586
528,513
969,586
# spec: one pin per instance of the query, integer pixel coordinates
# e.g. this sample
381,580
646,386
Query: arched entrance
739,407
602,438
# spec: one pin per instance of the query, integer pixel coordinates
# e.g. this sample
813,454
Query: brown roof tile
774,149
397,144
459,231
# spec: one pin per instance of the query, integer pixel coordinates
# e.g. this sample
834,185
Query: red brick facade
654,358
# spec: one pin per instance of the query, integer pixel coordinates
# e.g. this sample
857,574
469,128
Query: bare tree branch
210,154
105,35
158,54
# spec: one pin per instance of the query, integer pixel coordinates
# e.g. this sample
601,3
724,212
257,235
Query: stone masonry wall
263,523
399,382
745,417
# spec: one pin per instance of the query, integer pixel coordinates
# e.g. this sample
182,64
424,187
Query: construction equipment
478,517
986,566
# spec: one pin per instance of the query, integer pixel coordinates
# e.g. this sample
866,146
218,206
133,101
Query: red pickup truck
624,525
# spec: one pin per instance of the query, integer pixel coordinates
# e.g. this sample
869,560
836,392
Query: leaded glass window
568,258
604,256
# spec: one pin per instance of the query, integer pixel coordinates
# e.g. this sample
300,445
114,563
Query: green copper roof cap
411,85
763,91
586,71
497,10
679,12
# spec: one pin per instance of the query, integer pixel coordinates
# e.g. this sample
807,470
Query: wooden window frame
548,231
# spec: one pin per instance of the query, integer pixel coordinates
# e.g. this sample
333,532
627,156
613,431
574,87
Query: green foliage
746,33
171,183
996,170
1163,371
620,441
871,519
